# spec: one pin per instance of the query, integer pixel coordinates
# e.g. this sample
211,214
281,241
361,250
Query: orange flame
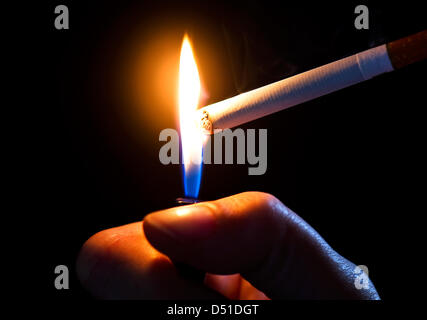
189,94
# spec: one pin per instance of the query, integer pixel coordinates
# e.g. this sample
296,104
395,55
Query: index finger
120,263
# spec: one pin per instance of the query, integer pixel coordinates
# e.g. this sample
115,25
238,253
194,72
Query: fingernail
186,223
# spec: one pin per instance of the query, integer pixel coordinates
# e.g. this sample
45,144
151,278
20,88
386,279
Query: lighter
185,270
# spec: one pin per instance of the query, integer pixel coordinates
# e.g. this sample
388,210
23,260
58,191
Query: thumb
254,234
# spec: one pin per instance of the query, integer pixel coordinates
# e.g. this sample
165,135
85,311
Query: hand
265,249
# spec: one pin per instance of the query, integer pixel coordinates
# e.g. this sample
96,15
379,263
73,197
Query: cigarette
314,83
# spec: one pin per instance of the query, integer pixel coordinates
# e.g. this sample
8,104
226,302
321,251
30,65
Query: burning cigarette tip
205,123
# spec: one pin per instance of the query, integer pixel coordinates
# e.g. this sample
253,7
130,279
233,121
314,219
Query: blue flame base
192,179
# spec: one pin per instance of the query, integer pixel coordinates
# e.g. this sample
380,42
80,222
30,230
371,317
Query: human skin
250,244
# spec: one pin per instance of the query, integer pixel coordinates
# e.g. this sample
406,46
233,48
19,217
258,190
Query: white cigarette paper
297,89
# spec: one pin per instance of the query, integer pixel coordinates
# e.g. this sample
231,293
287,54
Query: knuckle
266,200
272,210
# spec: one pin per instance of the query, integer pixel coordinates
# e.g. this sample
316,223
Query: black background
344,162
